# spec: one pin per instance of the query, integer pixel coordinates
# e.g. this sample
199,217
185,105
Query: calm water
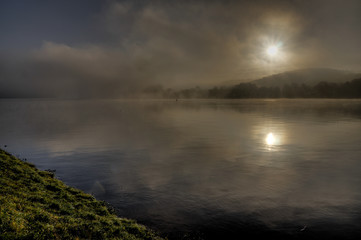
203,169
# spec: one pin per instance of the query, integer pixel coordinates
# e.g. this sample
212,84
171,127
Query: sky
105,48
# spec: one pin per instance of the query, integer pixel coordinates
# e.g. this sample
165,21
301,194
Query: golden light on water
270,139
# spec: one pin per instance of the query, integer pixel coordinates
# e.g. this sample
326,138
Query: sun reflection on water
270,139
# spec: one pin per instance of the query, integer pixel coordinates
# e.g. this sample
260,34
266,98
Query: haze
111,48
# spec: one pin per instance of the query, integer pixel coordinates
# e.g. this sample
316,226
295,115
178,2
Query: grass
35,205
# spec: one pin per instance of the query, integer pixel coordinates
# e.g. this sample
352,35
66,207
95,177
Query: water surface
204,169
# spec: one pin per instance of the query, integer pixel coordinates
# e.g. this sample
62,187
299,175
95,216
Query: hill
35,205
308,76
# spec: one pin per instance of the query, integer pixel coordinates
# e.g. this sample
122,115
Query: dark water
204,169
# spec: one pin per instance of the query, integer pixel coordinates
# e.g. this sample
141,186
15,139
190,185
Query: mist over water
206,168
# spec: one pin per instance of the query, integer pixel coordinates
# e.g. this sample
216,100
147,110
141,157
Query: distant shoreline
248,90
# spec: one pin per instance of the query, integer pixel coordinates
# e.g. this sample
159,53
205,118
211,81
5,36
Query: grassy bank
35,205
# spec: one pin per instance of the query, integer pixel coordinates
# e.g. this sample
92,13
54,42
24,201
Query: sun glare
272,51
270,139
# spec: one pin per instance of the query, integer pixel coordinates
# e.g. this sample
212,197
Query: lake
203,169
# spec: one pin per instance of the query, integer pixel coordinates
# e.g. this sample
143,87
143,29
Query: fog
176,44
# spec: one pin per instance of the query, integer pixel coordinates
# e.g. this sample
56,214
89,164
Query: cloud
177,44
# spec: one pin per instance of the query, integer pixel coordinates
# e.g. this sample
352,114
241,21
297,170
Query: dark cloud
188,43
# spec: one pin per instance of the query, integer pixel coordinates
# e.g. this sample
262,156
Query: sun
272,51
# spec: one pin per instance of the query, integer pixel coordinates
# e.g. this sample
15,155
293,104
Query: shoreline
36,205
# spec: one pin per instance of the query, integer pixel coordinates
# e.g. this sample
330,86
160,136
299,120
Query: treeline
321,90
350,89
158,91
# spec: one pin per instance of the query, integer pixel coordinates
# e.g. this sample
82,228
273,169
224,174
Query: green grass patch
35,205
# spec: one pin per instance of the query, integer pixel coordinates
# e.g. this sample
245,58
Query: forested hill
308,76
350,89
302,83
